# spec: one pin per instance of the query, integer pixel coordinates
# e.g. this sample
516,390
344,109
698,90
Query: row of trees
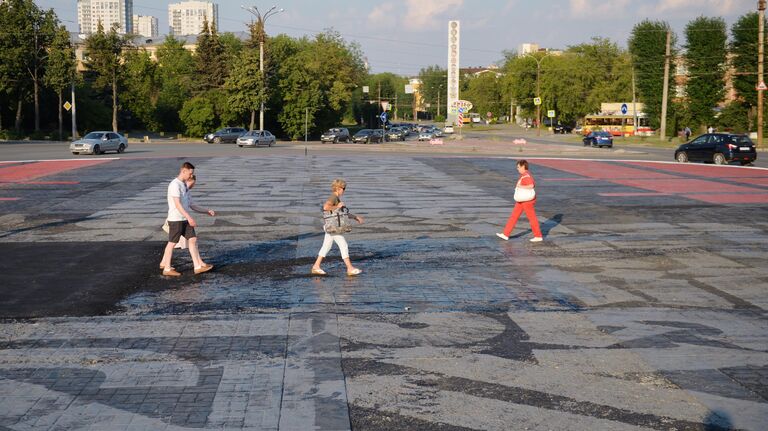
318,82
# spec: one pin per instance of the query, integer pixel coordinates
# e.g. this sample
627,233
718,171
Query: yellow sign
551,113
67,106
537,101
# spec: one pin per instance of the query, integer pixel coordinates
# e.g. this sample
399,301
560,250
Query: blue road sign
624,108
383,117
461,110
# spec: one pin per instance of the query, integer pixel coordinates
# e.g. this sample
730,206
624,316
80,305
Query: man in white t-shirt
181,223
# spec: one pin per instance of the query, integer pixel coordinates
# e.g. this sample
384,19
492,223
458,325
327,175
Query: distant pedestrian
711,129
687,132
335,214
181,223
525,200
182,244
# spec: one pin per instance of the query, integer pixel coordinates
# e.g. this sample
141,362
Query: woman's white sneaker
537,239
502,236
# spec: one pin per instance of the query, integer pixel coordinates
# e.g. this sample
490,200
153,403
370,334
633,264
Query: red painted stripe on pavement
599,170
702,170
568,179
9,199
752,198
634,194
685,185
31,171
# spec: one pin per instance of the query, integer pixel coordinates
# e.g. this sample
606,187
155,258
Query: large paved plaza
643,308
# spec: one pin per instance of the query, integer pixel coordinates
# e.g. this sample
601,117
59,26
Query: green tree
245,84
198,116
24,42
611,82
647,44
62,68
484,91
706,60
104,60
141,89
316,83
744,52
175,75
210,59
433,81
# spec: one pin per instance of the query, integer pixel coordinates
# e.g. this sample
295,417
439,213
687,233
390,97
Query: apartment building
108,12
186,18
146,26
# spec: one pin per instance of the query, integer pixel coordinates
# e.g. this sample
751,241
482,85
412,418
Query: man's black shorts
177,229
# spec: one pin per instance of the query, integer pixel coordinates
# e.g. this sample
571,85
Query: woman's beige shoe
355,271
171,272
317,271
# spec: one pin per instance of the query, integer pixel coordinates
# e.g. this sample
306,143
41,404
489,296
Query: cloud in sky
382,15
422,14
655,8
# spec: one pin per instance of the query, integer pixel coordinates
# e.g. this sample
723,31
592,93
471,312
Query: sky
404,36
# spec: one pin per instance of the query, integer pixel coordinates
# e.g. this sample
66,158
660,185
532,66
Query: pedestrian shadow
718,420
545,227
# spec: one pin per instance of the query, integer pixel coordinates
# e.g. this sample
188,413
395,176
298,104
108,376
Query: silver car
254,138
99,142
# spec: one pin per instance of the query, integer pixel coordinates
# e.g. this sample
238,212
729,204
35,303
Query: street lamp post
261,20
538,90
760,82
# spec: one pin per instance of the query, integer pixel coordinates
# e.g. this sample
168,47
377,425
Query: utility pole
634,103
663,131
538,90
74,113
261,20
760,82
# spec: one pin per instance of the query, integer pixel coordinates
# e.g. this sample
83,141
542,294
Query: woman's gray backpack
336,222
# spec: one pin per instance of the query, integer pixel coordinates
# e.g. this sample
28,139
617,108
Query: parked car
430,133
227,134
448,128
254,138
578,129
367,136
719,148
98,143
563,128
396,134
598,139
335,135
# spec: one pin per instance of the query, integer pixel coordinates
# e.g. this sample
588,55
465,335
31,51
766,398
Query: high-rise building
108,12
186,18
527,48
145,25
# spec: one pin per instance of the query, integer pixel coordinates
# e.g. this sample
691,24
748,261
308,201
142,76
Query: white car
448,128
254,138
99,142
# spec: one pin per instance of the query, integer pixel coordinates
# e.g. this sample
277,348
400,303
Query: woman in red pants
525,182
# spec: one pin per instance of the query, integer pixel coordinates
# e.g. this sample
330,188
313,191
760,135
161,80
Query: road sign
624,108
383,117
761,86
551,113
67,106
466,104
537,101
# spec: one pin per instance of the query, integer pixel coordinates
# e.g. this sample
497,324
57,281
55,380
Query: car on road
598,139
367,136
563,128
227,134
254,138
718,148
430,133
335,135
396,134
448,128
99,142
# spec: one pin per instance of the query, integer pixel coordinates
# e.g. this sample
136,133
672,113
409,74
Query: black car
563,128
227,134
335,135
367,136
598,139
396,134
719,148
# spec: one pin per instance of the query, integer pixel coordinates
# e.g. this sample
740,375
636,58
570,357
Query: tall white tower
454,39
186,18
109,12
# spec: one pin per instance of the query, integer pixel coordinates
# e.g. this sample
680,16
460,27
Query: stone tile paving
637,312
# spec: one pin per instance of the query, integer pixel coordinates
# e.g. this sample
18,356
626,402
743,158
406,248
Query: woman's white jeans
328,243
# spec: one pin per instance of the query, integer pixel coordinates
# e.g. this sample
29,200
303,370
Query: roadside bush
198,116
